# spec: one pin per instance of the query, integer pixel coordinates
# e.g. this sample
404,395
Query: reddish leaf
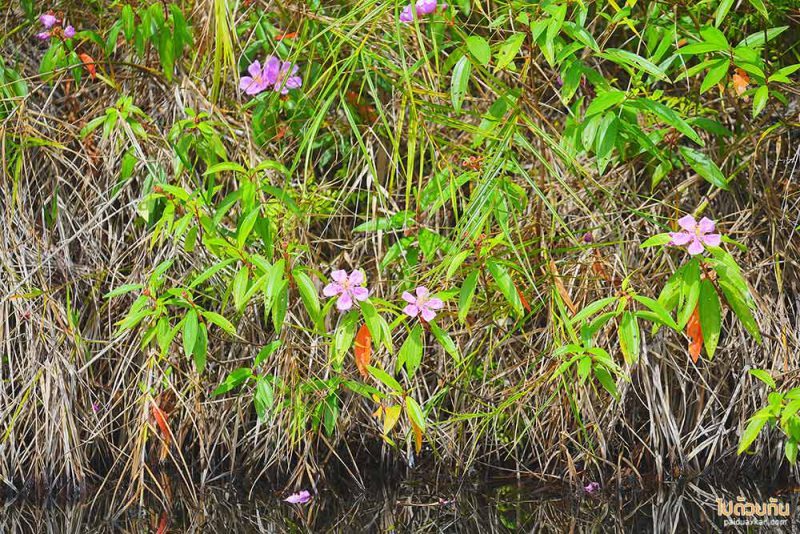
288,35
417,435
740,81
363,350
161,420
88,62
695,334
522,298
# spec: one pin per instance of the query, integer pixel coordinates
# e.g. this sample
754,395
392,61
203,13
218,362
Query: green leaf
508,51
415,413
592,308
220,321
605,379
190,332
605,101
201,349
716,72
760,7
624,57
266,351
703,166
445,341
373,322
234,379
658,309
790,449
410,353
629,337
760,100
343,338
710,316
460,82
667,115
722,11
506,286
239,288
263,397
690,291
386,379
308,294
121,290
751,432
280,306
656,240
479,49
466,295
764,377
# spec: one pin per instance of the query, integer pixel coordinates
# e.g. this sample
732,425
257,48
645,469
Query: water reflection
411,507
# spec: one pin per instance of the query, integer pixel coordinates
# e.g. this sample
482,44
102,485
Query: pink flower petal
696,247
360,293
422,291
406,15
408,297
345,302
425,7
356,278
712,240
271,70
688,223
48,20
681,238
340,276
245,82
411,310
69,32
255,69
43,35
435,304
706,225
428,314
332,289
301,497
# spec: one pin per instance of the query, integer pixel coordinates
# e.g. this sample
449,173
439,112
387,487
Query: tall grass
372,133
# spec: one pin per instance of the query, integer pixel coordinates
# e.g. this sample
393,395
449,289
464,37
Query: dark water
410,507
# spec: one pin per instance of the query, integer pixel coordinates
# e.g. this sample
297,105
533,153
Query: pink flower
422,304
349,288
43,35
301,497
696,234
257,81
421,7
287,78
48,20
69,32
591,487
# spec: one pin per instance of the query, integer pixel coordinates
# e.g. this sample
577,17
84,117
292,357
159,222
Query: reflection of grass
372,135
416,507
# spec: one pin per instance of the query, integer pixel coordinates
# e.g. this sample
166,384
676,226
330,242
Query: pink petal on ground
411,310
301,497
681,238
712,240
706,225
332,289
696,247
345,302
688,223
339,276
360,293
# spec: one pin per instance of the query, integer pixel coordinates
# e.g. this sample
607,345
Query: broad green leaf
657,309
415,413
716,72
506,286
343,338
703,166
605,101
410,353
629,337
467,294
592,308
656,240
710,316
760,100
722,11
200,351
605,379
479,49
751,433
220,321
266,351
308,293
239,288
690,291
121,290
459,82
263,397
667,115
764,377
236,378
190,327
385,378
445,341
508,50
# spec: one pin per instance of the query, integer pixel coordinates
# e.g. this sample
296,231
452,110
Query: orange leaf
417,436
522,298
695,334
562,291
288,35
88,62
740,81
161,421
363,349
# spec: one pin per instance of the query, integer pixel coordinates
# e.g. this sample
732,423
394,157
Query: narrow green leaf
710,316
479,49
460,82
